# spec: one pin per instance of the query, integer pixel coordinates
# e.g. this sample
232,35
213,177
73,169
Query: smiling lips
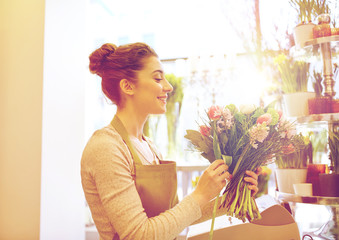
163,99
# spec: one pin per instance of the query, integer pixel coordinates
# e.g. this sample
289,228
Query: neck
132,120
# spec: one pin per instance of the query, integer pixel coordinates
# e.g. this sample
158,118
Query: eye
158,78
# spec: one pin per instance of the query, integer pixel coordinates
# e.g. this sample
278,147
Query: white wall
21,79
65,65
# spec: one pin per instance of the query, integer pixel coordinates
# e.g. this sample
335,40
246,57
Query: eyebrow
160,71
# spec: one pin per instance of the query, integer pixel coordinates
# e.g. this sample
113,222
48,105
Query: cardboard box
276,224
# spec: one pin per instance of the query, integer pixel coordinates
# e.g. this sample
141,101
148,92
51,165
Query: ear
127,87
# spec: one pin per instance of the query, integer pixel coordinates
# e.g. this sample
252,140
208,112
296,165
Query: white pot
286,177
296,104
303,33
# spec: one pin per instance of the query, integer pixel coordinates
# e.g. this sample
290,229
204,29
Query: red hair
114,63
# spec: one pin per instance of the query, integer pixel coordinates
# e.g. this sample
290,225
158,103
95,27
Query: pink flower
228,118
267,118
214,112
205,130
288,149
287,129
280,114
258,133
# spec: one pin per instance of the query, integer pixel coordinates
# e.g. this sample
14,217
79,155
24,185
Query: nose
167,86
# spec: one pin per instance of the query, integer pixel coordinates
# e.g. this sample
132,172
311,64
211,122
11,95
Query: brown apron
156,184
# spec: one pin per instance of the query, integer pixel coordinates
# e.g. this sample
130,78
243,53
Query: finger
222,168
251,181
258,171
254,189
213,165
252,174
226,175
216,163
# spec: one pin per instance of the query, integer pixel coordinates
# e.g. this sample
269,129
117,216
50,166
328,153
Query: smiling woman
130,189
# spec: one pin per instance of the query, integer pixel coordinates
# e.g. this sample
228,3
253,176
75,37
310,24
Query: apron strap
152,149
119,126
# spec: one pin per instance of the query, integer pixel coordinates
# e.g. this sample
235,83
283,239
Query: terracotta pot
303,33
329,184
296,104
286,177
319,105
334,31
335,105
322,30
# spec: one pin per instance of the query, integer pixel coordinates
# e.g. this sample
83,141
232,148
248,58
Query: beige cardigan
107,174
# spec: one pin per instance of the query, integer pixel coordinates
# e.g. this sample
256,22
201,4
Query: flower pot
335,106
334,31
329,184
296,104
286,177
313,172
322,30
319,105
303,33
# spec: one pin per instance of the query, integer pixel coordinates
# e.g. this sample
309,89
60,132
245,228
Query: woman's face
151,88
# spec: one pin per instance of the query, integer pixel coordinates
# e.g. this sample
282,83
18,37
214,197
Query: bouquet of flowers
245,138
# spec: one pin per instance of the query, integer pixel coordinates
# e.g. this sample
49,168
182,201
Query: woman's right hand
211,182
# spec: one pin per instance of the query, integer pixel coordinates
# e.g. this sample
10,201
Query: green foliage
304,9
173,108
202,144
319,142
320,7
333,142
294,74
308,9
301,155
316,83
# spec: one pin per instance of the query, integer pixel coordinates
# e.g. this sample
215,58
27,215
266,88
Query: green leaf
194,136
216,147
274,114
258,113
227,159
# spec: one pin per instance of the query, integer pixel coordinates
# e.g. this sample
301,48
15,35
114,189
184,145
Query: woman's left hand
252,179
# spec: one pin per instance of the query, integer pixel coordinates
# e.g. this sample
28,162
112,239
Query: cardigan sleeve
207,211
108,182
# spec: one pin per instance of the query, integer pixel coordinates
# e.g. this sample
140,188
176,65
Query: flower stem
213,217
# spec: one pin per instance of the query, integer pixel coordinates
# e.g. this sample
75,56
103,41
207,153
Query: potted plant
173,110
292,164
329,182
319,104
294,80
304,30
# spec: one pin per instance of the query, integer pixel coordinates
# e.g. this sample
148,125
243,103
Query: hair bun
99,56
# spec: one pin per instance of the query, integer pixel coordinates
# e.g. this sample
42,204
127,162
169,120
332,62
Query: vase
303,33
313,172
286,177
329,184
335,106
296,104
319,105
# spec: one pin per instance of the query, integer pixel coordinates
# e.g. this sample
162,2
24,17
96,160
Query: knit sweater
108,175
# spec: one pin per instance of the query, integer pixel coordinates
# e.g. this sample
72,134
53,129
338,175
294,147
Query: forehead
152,64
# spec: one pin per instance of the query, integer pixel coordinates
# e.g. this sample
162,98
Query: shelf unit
320,48
323,48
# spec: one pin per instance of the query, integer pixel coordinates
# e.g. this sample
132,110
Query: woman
131,192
